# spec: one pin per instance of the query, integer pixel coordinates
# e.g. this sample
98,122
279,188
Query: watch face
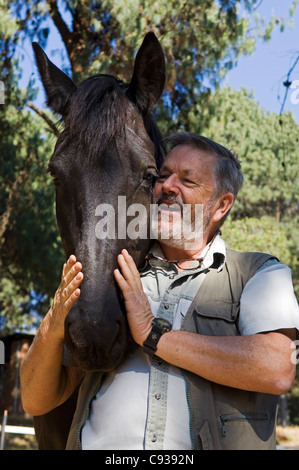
159,326
162,322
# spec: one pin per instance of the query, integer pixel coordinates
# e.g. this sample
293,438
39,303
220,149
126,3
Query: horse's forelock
98,111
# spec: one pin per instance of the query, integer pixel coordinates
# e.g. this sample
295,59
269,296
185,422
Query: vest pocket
248,425
217,320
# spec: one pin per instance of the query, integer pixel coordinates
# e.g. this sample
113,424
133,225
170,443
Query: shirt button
171,276
158,396
166,306
154,438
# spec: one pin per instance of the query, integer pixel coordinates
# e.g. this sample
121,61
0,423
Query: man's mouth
169,206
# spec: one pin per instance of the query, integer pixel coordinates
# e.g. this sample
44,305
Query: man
208,373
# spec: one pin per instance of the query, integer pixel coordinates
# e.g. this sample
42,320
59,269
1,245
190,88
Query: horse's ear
148,78
58,86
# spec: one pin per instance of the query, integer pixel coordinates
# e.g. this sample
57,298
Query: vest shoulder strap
222,290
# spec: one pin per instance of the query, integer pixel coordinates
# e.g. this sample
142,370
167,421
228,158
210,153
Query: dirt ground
288,437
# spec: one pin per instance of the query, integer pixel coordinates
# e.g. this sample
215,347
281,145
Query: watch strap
159,327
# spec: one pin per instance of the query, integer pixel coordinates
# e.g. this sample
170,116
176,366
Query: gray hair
227,171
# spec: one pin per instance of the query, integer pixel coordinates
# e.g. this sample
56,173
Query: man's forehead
186,171
188,159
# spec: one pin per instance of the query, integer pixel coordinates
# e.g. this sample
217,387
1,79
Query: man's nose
170,185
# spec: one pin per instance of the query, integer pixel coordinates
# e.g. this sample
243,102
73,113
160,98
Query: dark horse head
109,147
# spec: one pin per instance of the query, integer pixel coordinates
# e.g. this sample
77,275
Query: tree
202,39
267,145
30,252
265,215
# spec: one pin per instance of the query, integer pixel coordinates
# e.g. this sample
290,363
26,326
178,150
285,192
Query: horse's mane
101,111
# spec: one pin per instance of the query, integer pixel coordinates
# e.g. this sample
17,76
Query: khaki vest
220,417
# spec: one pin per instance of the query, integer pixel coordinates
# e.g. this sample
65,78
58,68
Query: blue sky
263,72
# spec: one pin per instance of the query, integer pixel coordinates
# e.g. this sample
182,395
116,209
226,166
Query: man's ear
58,86
148,78
223,206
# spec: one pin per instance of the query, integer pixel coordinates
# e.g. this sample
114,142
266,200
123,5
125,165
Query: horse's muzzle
97,339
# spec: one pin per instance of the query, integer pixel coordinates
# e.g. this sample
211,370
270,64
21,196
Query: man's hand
45,382
66,295
137,306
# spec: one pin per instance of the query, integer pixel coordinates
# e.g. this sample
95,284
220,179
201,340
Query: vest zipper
239,417
87,413
191,411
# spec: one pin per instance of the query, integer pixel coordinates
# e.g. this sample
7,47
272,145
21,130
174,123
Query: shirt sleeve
268,302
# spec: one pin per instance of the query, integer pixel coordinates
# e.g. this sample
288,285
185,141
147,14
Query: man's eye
186,181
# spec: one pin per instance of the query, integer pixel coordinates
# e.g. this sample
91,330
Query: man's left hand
138,310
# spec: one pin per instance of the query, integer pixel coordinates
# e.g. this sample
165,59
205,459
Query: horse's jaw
97,334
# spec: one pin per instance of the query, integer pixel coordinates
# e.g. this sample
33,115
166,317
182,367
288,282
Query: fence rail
18,430
5,429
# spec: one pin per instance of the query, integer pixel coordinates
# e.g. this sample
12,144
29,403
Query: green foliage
30,254
265,215
263,235
202,39
266,144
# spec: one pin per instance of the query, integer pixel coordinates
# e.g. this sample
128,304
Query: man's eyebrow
164,168
186,171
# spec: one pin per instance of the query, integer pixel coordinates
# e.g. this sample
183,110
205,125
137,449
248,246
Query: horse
110,146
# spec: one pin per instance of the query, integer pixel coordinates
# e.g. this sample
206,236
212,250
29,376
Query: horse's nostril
73,342
97,345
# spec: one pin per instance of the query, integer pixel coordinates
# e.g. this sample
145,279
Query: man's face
186,178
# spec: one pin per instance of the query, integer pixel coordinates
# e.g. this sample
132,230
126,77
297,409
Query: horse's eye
150,176
54,177
55,180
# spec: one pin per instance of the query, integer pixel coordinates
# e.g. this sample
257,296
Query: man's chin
175,239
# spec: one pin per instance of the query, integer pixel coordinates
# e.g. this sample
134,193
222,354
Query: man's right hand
66,295
46,383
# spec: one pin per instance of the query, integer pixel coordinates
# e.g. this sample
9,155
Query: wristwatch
159,327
